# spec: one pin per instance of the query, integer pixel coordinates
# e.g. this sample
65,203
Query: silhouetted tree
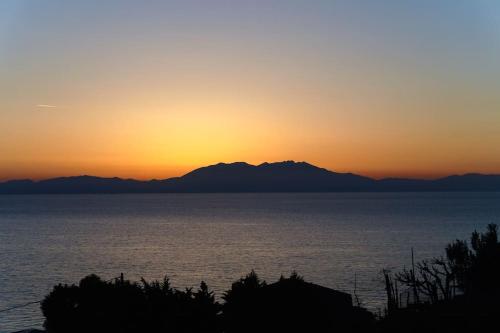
458,293
59,309
122,306
472,272
483,276
241,300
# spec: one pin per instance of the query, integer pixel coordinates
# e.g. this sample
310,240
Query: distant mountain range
288,176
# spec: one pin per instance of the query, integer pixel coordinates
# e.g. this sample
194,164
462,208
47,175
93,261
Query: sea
338,240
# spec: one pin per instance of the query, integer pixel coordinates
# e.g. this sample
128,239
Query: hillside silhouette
288,176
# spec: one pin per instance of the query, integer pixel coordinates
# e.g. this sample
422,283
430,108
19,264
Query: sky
153,89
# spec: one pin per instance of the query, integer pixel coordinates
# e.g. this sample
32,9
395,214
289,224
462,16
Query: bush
122,306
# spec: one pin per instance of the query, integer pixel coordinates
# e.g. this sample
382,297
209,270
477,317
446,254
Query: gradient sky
152,89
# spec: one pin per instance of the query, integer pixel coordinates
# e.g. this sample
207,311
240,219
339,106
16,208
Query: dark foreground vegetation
251,305
456,293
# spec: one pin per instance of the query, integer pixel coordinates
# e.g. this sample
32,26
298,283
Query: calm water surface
327,238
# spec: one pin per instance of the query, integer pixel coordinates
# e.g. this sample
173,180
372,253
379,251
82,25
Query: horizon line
34,179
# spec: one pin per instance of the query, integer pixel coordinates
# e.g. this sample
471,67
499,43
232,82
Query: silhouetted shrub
240,301
470,271
291,304
122,306
458,293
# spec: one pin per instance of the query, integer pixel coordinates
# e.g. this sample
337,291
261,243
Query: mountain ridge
285,176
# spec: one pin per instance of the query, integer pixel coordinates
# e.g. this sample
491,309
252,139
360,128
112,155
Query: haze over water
327,238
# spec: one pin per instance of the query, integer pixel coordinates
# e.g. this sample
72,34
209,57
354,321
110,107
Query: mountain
288,176
270,177
467,182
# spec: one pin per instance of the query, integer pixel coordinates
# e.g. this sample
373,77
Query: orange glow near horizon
169,140
180,86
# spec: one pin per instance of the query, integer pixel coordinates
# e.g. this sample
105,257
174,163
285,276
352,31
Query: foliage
122,306
471,270
290,304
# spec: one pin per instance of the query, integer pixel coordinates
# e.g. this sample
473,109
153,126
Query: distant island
287,176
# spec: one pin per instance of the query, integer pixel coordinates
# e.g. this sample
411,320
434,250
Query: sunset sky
153,89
